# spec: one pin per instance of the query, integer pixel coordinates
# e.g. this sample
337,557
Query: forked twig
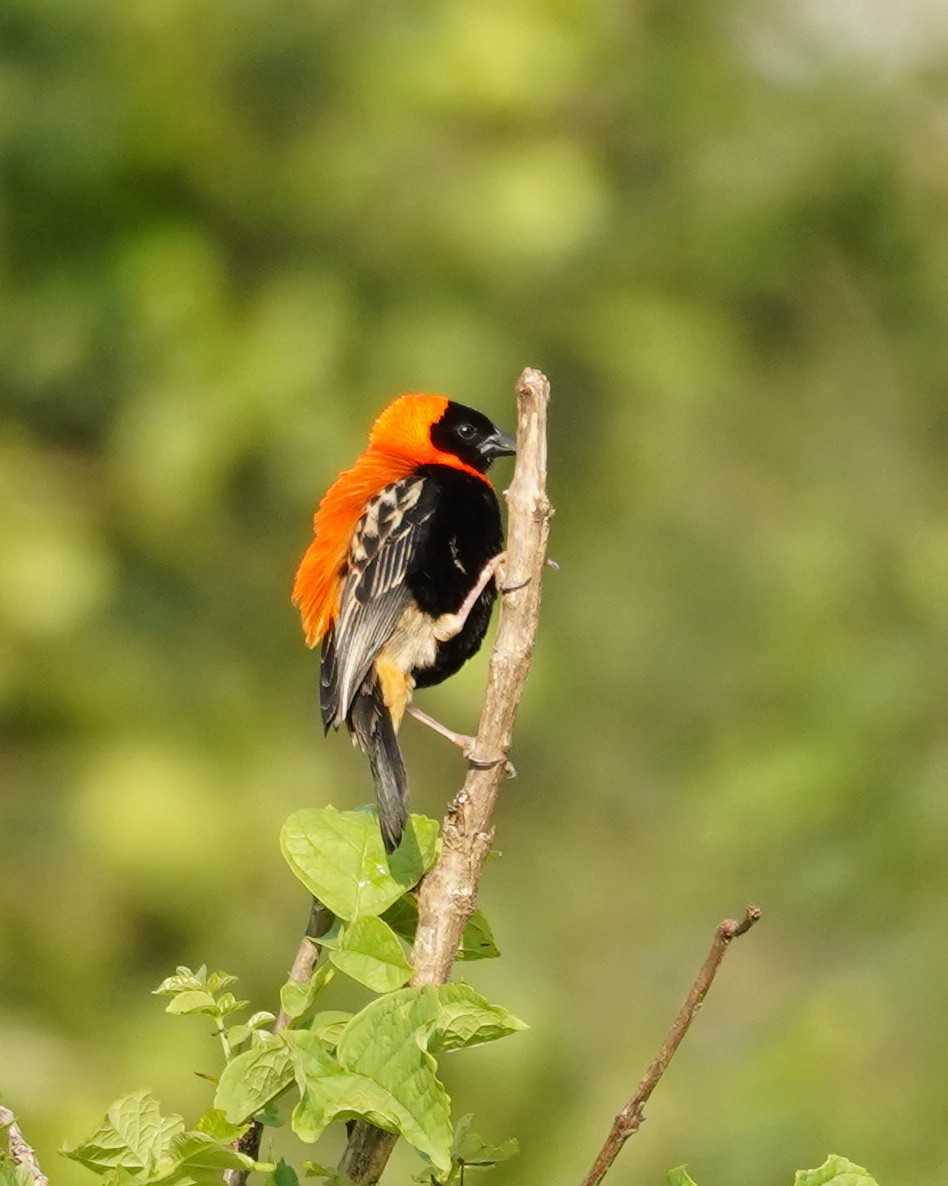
630,1118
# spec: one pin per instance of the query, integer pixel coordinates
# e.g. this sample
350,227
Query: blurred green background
231,232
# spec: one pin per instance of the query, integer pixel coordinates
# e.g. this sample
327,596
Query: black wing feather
385,544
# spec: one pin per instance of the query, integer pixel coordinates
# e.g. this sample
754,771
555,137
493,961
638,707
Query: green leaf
477,942
252,1079
333,1177
219,980
228,1003
339,857
260,1018
182,981
679,1176
137,1145
382,1073
120,1177
134,1135
327,1091
328,1026
835,1171
296,998
471,1150
14,1175
215,1124
193,1152
283,1175
269,1115
236,1035
387,1042
468,1019
369,951
187,1159
479,1153
461,1129
193,1001
402,917
330,939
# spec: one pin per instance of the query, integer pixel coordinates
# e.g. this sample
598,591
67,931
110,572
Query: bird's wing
387,537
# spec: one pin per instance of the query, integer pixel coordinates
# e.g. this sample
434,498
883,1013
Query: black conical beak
498,444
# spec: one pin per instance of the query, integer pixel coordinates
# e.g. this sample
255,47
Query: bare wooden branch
20,1150
448,894
630,1118
367,1153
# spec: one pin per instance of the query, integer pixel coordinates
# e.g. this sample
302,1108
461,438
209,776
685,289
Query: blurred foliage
231,232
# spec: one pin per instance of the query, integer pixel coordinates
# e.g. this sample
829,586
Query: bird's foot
499,565
510,771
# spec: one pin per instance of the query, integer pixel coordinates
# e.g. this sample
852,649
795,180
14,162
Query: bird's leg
463,741
449,625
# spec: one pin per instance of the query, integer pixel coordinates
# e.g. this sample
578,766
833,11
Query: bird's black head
471,437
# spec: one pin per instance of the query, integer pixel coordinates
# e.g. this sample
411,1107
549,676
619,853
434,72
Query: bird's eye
465,431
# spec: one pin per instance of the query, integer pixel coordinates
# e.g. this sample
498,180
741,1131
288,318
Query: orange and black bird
399,582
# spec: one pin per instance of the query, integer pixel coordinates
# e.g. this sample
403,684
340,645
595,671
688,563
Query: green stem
222,1034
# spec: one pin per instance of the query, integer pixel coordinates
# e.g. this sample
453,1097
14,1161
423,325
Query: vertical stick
448,894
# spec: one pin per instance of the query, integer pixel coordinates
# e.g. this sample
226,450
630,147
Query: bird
398,583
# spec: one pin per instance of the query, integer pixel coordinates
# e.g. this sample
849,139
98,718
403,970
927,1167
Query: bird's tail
372,726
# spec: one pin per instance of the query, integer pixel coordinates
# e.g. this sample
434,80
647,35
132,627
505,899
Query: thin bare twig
307,955
448,894
304,965
630,1118
21,1151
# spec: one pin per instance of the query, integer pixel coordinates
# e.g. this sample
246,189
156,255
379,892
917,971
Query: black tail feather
371,725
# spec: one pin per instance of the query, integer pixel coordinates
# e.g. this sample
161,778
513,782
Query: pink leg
463,741
449,625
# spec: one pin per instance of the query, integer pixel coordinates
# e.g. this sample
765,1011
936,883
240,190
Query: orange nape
399,442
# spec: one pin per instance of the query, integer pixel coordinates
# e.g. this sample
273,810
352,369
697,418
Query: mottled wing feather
374,595
349,648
